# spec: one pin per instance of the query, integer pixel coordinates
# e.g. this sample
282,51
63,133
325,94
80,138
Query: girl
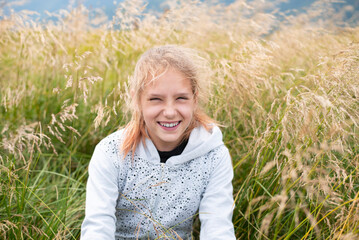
149,180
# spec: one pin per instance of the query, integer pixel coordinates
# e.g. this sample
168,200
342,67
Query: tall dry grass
284,85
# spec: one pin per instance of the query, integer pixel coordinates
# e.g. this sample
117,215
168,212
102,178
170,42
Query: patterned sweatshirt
145,199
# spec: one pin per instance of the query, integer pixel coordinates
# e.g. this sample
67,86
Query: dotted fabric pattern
158,201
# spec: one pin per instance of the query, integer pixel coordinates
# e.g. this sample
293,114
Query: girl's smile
167,105
169,126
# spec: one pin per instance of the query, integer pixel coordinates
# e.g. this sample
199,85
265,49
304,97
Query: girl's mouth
169,125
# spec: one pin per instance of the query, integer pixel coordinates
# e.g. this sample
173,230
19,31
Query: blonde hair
152,64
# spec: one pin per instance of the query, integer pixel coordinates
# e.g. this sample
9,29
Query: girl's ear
195,99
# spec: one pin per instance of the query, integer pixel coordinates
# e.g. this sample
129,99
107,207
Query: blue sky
108,6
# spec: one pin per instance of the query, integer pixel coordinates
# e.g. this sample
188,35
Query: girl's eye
155,99
182,98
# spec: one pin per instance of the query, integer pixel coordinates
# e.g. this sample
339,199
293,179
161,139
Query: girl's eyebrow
155,95
161,95
183,94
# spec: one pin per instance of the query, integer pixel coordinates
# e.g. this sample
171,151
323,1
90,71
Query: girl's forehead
168,74
171,80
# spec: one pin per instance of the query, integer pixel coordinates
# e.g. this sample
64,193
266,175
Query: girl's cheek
152,109
188,108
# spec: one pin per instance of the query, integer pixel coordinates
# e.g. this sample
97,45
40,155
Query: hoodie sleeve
216,207
101,197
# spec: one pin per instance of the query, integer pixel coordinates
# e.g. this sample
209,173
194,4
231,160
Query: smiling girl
150,179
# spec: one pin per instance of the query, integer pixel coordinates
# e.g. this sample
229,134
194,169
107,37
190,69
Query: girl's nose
169,111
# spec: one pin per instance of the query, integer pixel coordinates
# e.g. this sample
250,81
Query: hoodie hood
199,143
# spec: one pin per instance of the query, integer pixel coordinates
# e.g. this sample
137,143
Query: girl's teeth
169,124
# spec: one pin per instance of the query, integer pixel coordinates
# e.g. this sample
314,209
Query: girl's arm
101,197
216,207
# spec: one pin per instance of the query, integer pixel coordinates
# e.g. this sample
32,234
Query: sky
109,6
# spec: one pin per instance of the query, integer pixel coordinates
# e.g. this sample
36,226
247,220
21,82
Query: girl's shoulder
110,145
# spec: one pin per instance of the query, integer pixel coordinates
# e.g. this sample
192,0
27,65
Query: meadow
284,86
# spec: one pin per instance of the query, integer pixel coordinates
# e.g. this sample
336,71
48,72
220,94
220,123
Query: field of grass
285,87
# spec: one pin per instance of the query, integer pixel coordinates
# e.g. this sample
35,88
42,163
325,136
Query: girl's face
167,105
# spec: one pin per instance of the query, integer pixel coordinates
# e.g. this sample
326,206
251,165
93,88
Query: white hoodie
146,199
